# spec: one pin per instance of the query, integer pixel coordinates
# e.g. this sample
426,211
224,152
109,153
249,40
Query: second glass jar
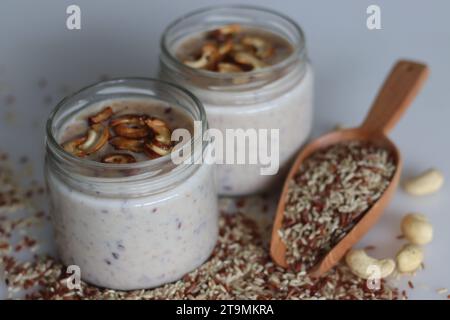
279,96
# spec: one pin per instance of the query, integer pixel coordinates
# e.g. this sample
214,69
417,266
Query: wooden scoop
398,91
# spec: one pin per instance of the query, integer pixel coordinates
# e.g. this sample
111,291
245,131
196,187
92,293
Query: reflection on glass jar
277,95
133,225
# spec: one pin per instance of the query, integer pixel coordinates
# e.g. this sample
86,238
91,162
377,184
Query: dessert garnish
118,158
228,50
131,132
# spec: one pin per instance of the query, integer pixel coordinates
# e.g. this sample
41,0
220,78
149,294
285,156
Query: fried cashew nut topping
121,143
226,48
129,119
97,137
161,130
130,126
103,115
249,59
118,158
229,29
210,55
72,146
225,32
159,148
149,152
131,132
263,48
225,67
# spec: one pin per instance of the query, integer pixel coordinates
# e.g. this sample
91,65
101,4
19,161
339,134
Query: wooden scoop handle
397,93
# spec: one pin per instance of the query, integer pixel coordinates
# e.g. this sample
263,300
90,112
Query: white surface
121,38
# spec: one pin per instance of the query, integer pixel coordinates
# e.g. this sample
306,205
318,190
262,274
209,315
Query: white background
121,38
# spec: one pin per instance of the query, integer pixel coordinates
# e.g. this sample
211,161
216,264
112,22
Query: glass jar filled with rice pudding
250,69
122,209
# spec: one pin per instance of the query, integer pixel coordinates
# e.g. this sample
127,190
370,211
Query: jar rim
299,48
147,164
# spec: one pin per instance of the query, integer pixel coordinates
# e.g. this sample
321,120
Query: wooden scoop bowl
397,93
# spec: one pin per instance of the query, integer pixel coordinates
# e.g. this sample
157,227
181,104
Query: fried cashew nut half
72,146
157,147
130,126
262,47
97,137
103,115
225,67
131,131
121,143
226,48
225,32
118,158
249,59
210,55
160,129
128,119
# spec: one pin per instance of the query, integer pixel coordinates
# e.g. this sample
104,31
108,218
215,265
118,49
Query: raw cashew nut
417,229
363,265
409,258
428,182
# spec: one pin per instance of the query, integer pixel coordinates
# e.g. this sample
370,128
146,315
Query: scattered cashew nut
417,229
362,265
409,258
428,182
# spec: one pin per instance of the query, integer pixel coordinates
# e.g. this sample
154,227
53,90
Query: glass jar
131,226
277,97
